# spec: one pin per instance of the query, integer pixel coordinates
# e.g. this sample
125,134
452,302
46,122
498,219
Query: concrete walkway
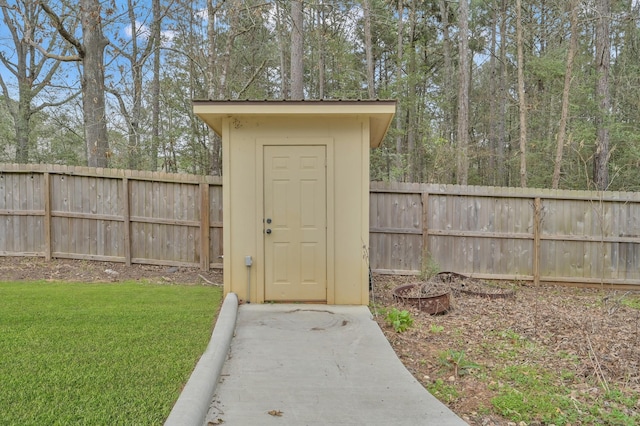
318,365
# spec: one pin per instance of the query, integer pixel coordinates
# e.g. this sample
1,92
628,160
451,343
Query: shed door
295,238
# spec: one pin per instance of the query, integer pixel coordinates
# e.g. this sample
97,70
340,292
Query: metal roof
380,112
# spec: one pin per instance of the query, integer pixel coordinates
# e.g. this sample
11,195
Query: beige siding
347,181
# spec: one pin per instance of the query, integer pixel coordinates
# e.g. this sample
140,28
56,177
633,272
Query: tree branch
118,96
11,67
54,104
7,99
72,58
253,77
57,23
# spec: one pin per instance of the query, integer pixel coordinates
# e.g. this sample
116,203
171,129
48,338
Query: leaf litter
587,339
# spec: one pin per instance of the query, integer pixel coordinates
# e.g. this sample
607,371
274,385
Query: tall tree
32,71
568,76
215,89
282,50
156,31
368,48
136,52
412,158
321,41
602,64
297,50
462,169
503,97
522,103
447,72
90,54
399,117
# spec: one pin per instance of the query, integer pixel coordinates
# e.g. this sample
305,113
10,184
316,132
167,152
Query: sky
116,28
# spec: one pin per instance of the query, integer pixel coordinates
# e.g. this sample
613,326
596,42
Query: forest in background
542,93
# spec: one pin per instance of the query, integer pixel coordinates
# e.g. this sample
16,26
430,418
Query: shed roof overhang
379,112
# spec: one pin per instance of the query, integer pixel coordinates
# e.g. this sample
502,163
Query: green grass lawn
73,353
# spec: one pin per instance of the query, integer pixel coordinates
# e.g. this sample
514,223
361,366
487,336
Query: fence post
47,216
425,228
537,208
204,226
127,221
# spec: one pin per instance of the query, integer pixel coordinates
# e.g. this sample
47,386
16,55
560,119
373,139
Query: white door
295,223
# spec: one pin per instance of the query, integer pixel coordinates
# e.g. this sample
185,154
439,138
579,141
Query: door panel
295,201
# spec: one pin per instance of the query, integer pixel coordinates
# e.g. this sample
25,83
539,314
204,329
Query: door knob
268,231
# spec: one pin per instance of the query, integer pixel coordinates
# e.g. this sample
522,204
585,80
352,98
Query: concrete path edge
193,403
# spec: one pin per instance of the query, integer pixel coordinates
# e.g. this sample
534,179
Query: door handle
268,231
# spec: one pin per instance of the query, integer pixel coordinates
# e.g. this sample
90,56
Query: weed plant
457,361
399,320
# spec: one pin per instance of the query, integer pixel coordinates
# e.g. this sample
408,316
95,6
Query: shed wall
347,145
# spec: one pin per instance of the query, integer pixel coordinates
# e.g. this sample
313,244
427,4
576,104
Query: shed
296,196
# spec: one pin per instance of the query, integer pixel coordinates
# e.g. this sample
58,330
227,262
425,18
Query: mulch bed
584,331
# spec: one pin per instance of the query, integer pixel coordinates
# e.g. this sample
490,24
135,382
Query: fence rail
174,219
110,215
584,237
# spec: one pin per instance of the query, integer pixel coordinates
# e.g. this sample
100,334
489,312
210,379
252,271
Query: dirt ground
33,268
588,332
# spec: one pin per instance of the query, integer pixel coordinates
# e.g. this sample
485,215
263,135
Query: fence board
215,223
159,218
580,236
87,214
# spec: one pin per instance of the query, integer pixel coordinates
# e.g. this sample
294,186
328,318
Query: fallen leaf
275,413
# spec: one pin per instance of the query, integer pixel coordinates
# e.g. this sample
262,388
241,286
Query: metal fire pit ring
452,277
432,305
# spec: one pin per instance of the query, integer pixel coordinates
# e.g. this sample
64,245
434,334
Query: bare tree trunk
321,48
493,69
212,54
297,51
137,57
22,117
502,98
137,62
568,76
155,86
93,100
603,57
448,72
20,22
22,122
228,48
412,158
521,97
282,53
368,48
462,155
136,73
400,109
214,87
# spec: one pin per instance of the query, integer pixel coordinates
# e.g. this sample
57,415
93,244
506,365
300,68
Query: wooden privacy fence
110,215
584,237
175,219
